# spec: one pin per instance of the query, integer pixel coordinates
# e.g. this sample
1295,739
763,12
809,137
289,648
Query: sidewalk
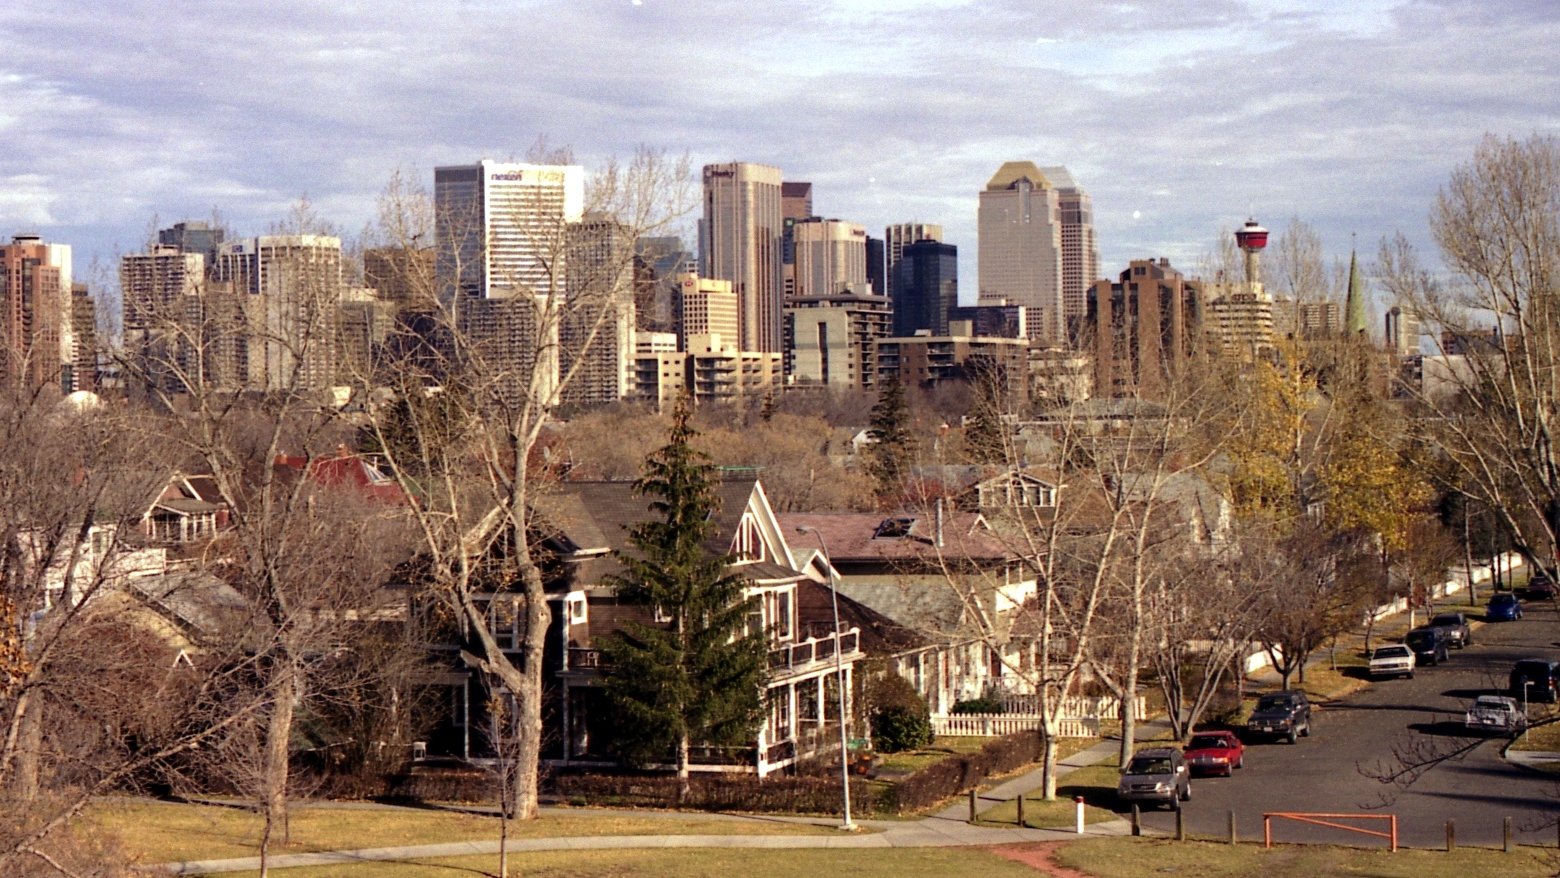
932,832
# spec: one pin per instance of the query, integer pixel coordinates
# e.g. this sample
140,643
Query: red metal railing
1322,820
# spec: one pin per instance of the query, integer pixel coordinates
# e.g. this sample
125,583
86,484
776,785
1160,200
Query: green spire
1354,322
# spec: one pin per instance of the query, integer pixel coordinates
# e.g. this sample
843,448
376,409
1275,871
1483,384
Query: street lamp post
839,670
1525,721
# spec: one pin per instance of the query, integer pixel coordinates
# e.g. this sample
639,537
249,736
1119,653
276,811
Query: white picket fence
1107,706
991,724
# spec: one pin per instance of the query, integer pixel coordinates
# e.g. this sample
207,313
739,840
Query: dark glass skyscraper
876,275
926,285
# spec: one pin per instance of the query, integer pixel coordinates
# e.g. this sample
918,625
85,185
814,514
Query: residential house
929,592
579,527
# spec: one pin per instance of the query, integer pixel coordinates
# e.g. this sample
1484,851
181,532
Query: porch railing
813,650
991,724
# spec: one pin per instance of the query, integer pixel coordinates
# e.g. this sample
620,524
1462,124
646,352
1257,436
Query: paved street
1322,772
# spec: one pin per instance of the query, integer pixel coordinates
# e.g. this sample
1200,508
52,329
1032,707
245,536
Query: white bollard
1079,800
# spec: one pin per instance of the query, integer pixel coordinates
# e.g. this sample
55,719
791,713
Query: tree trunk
1129,710
1048,763
278,740
29,747
528,749
683,786
1473,598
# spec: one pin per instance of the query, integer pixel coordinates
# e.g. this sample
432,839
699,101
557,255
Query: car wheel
1411,675
1305,732
1186,794
1241,762
1293,738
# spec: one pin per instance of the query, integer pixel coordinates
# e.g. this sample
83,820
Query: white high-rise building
291,290
1020,259
831,257
502,228
1080,248
740,238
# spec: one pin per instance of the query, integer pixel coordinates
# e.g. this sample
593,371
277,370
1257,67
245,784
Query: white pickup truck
1495,713
1391,661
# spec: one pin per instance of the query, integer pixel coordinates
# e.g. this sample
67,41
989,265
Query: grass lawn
694,863
156,832
941,748
1097,785
1153,858
1541,737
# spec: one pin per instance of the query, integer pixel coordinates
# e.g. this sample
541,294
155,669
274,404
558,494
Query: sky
1180,117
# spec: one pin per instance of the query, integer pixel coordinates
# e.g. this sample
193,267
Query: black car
1456,627
1286,713
1540,587
1539,677
1431,646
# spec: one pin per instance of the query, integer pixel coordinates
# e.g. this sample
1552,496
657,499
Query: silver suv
1157,775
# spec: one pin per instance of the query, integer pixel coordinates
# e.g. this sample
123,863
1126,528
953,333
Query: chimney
939,522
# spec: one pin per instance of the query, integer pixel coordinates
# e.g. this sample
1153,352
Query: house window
749,544
780,714
577,610
502,620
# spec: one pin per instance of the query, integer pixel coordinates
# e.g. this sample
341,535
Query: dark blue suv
1503,608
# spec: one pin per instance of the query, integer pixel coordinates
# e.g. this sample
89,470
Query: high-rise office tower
160,292
1145,328
35,311
877,278
1080,249
926,286
596,331
832,340
662,260
1020,254
795,200
831,257
739,241
895,239
706,307
403,275
193,237
83,338
501,228
291,290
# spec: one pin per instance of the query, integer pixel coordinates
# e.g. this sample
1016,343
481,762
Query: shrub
807,795
983,704
900,720
951,776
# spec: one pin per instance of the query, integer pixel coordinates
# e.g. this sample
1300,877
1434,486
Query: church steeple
1354,319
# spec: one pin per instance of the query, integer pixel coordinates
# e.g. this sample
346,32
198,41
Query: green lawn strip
1097,785
160,832
941,748
691,863
1154,858
1544,735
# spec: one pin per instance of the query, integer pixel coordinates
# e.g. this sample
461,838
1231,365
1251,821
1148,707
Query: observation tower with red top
1252,240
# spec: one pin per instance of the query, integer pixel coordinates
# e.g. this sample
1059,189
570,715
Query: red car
1215,753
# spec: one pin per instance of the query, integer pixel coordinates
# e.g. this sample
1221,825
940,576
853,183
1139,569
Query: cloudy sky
1179,116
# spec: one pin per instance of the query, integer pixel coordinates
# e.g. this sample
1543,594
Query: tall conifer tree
699,679
892,451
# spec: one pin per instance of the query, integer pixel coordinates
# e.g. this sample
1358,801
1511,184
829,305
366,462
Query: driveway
1326,771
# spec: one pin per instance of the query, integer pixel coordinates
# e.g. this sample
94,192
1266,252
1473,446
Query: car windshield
1274,702
1392,652
1150,765
1488,703
1208,742
1446,620
1502,600
1536,670
1419,638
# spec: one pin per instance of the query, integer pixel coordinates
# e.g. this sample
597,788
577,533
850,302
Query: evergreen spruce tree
893,445
698,680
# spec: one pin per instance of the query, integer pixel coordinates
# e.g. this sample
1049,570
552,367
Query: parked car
1495,713
1503,608
1431,646
1540,587
1540,677
1157,775
1286,713
1456,627
1394,660
1215,753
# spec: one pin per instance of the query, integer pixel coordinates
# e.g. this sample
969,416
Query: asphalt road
1326,772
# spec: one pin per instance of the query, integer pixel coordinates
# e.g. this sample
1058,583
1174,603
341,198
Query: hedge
953,775
726,792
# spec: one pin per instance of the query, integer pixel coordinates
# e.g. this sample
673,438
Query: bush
951,776
984,704
900,720
805,795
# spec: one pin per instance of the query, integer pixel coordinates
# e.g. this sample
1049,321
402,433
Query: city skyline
1260,112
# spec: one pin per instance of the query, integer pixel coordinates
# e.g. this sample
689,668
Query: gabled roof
858,537
198,603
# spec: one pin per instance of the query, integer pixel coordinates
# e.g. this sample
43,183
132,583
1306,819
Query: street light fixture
1526,720
839,669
